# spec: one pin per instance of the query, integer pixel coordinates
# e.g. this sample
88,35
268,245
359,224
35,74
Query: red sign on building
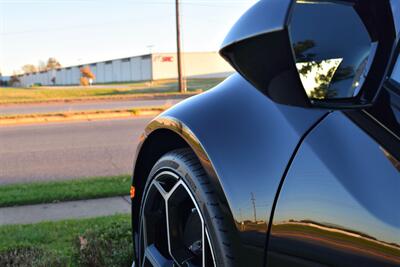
167,59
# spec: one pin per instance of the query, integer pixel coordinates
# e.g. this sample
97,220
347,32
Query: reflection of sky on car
326,183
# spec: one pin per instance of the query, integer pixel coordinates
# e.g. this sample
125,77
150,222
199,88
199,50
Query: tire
184,166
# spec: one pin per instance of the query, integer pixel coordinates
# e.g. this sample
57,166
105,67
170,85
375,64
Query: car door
339,203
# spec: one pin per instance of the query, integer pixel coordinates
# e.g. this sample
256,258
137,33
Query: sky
83,31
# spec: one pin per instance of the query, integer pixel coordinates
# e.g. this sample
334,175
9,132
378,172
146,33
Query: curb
80,115
145,96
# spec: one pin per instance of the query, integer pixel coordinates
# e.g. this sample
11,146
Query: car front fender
245,142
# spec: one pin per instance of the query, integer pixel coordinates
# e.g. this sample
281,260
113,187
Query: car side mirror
326,54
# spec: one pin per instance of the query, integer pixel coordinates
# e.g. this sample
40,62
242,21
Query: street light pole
181,82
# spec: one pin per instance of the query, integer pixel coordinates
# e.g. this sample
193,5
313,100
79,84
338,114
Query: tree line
51,64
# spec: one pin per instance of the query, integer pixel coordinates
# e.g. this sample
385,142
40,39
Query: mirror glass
396,13
332,47
396,71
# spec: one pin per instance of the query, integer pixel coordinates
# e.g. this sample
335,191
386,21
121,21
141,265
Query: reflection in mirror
396,72
396,13
333,55
316,77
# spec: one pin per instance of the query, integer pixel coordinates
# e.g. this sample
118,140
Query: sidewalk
65,210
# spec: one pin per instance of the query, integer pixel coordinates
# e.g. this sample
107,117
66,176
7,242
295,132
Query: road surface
68,150
81,106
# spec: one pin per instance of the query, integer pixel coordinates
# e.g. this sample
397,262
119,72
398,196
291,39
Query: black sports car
294,160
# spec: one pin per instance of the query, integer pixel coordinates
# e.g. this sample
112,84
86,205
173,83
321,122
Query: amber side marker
132,192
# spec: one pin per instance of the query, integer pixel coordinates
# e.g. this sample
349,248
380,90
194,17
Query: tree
87,75
52,63
29,68
41,66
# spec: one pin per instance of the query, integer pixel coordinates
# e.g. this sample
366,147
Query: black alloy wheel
173,228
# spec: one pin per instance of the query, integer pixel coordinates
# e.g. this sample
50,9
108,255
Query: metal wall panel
125,70
59,78
100,73
108,75
146,66
136,72
68,76
76,74
116,70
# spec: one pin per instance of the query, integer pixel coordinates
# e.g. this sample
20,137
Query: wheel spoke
178,251
203,243
172,191
160,189
186,241
210,248
155,258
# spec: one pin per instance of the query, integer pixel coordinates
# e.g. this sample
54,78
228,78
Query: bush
14,81
105,246
30,257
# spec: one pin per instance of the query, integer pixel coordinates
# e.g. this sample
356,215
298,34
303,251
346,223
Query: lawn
102,241
49,192
62,93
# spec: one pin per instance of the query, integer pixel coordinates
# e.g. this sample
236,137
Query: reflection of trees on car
318,75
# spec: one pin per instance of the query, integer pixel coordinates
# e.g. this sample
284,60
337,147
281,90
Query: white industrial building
149,67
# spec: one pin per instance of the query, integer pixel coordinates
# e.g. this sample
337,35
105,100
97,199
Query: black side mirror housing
326,54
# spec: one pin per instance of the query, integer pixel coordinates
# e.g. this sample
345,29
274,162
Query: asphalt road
68,150
77,106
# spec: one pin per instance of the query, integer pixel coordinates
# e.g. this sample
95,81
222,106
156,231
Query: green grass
61,93
49,192
59,239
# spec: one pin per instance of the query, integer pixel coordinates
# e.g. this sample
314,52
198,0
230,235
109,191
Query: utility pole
253,201
181,82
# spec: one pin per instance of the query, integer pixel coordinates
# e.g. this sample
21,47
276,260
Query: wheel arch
164,134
